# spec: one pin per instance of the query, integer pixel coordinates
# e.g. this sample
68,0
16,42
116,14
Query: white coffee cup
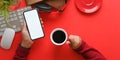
58,36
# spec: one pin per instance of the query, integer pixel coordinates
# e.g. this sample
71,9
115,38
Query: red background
100,30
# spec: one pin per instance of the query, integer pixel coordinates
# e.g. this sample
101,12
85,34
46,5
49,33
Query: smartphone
34,25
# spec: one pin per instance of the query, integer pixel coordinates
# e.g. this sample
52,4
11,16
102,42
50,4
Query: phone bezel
39,22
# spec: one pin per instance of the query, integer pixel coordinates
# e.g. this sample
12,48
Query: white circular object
58,29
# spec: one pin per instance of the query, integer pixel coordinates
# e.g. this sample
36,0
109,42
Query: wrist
78,45
82,45
26,45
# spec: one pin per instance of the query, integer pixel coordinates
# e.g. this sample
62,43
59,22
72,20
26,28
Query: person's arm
23,49
21,53
89,53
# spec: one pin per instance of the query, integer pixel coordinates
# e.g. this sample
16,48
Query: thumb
68,42
24,26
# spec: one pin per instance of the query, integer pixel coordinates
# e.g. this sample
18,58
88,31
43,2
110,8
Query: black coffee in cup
58,36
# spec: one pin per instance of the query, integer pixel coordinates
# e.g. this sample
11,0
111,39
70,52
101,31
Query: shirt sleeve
89,53
21,53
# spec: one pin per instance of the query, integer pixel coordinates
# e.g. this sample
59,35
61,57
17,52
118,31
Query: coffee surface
59,36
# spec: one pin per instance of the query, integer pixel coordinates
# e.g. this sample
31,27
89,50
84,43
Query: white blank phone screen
34,24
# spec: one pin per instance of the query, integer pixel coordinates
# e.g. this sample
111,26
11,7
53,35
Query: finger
24,28
42,25
41,20
72,38
23,25
68,43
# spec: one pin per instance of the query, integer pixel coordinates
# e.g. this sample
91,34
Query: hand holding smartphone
34,25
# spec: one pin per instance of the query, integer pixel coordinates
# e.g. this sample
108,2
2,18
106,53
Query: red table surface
100,30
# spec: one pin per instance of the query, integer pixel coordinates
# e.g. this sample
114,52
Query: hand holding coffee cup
58,36
74,41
